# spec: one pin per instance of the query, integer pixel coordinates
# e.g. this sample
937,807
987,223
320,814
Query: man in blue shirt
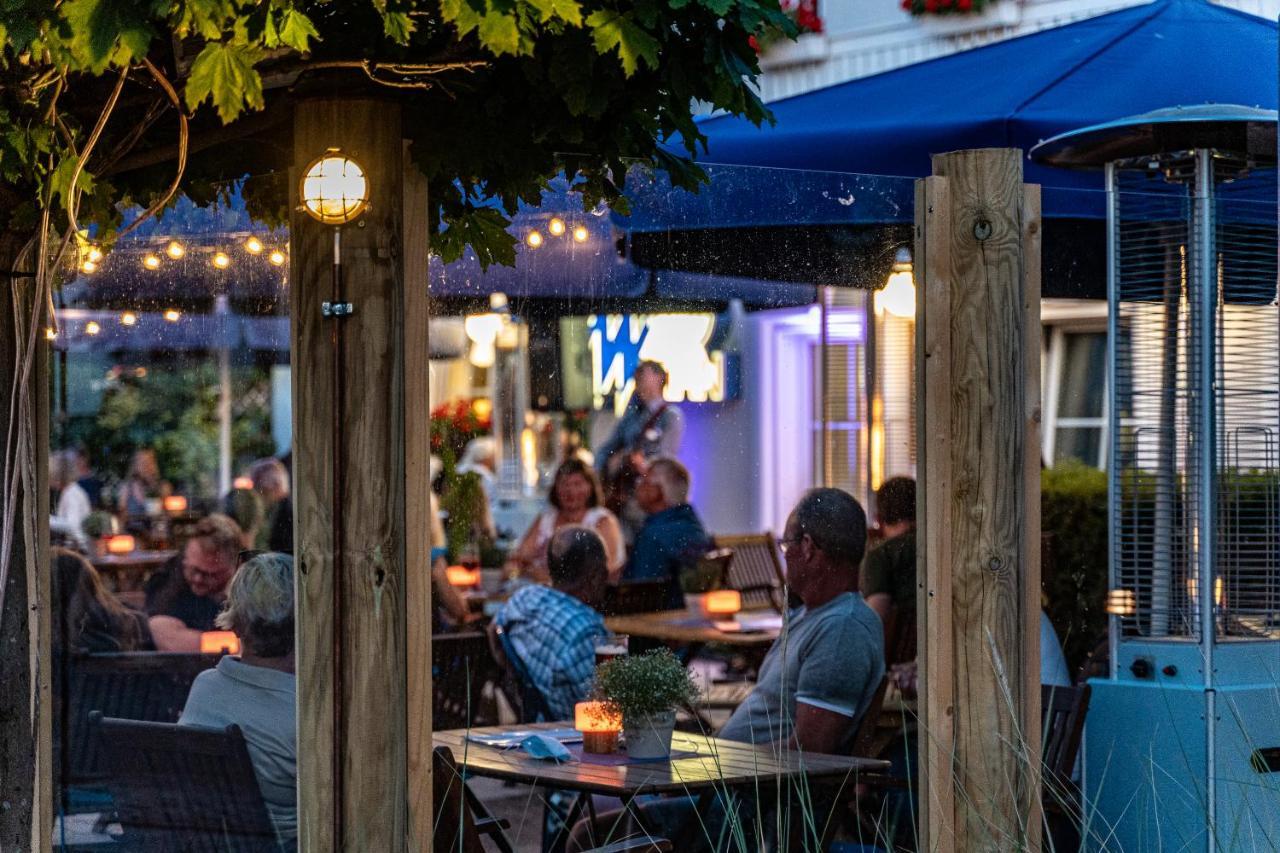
672,538
552,630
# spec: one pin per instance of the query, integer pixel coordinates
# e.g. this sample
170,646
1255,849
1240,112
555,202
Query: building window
1075,395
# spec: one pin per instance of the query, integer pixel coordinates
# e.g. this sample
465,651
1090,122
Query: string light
151,262
253,246
534,239
88,267
128,318
92,328
276,257
173,315
556,226
51,334
221,261
175,249
94,254
580,234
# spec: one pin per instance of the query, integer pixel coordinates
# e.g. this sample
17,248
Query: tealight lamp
242,483
175,503
219,642
462,576
121,544
1122,602
722,602
599,725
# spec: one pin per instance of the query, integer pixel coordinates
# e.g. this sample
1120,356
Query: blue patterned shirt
553,635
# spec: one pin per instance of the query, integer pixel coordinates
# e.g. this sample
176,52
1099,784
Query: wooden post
361,437
26,712
978,264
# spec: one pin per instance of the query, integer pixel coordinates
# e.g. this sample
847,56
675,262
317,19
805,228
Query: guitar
625,466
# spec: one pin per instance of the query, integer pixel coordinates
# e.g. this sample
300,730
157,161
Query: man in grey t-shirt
820,675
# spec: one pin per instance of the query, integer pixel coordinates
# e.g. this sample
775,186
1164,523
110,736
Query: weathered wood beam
978,256
360,475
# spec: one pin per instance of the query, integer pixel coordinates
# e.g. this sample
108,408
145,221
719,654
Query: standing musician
650,427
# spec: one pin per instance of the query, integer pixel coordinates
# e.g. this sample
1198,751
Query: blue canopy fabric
1014,93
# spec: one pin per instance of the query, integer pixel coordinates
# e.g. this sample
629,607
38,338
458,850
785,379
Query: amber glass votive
599,726
121,544
722,602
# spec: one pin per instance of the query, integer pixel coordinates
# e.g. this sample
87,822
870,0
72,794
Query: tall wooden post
26,714
361,460
978,267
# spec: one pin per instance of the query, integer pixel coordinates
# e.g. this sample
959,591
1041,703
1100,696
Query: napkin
541,746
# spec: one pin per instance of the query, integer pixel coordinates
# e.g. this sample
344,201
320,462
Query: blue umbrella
1013,93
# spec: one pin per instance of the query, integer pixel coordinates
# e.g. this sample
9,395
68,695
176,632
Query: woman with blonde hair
257,691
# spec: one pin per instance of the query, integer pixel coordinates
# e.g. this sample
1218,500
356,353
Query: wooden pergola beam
361,461
978,328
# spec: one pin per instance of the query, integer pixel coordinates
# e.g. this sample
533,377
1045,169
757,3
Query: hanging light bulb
556,226
253,246
580,234
221,261
128,318
92,328
175,249
88,267
276,257
51,334
151,262
533,239
173,315
94,255
898,296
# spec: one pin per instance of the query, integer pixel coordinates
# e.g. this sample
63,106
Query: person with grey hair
818,678
257,691
672,538
271,482
552,630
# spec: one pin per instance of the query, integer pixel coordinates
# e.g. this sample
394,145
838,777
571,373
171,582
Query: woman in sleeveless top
575,500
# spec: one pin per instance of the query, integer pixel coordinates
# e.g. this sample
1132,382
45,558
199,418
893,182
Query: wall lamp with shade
898,296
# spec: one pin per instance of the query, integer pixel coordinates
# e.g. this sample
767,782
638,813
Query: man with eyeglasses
185,597
818,678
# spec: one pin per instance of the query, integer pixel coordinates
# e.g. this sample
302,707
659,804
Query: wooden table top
132,560
682,627
718,764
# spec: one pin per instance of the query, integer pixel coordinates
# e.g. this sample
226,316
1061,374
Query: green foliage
1073,515
464,502
100,523
640,685
498,90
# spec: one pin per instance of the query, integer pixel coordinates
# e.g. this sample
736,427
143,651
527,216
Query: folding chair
755,570
461,666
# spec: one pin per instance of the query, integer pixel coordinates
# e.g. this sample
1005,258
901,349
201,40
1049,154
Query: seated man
672,538
185,597
257,691
819,677
889,575
552,630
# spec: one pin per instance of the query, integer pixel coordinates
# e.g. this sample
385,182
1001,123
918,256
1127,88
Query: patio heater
1182,741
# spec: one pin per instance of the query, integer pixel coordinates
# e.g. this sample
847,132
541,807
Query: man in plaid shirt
552,630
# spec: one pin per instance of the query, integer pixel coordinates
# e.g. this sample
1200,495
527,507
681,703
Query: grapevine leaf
498,32
297,31
398,26
482,228
224,74
614,31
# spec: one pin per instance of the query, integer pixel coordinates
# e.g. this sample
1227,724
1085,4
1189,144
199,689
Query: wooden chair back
461,666
455,826
709,572
1062,715
647,596
183,789
755,570
150,686
865,739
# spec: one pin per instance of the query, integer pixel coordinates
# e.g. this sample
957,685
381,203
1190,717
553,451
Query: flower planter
1000,13
649,736
808,47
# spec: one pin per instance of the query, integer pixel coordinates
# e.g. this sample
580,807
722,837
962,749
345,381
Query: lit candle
120,544
462,576
175,503
599,726
722,602
219,642
242,483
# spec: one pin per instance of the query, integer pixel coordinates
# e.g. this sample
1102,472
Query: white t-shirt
73,509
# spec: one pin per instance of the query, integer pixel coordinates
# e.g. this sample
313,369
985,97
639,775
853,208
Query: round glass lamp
334,189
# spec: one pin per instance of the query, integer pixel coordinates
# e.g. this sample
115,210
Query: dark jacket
670,542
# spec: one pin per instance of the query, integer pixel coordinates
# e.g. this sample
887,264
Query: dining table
699,766
129,572
682,626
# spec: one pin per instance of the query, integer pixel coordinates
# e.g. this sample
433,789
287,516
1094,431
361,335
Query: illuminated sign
619,342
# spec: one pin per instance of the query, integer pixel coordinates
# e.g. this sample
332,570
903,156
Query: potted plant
646,690
98,526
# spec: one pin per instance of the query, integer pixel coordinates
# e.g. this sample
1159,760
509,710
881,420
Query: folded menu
512,738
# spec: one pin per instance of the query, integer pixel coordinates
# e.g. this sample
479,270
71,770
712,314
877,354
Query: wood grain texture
977,405
933,520
679,626
417,468
353,492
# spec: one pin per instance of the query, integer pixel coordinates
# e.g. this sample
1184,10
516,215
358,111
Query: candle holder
175,504
121,544
599,726
219,642
721,603
462,576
